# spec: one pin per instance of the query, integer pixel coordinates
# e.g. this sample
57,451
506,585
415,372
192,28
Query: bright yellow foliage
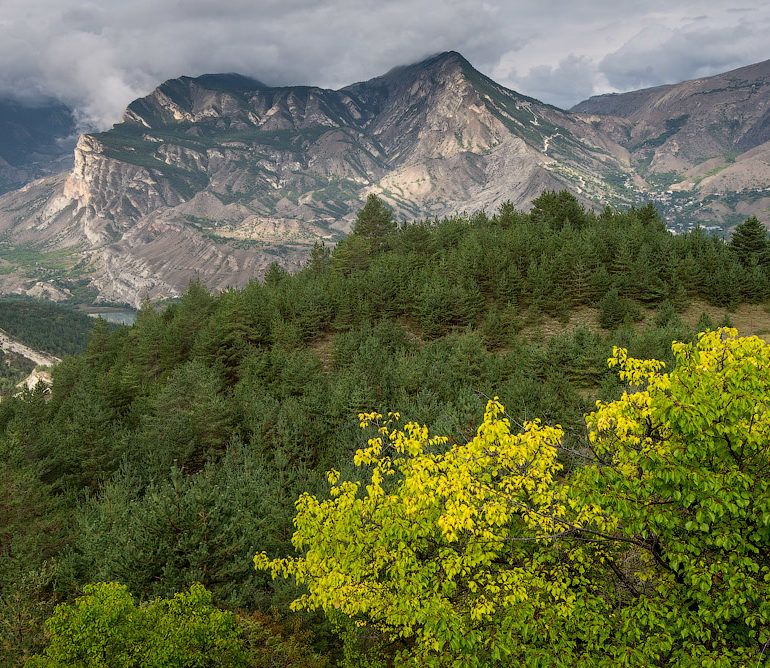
440,540
487,553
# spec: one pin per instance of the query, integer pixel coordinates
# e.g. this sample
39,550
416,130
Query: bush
105,627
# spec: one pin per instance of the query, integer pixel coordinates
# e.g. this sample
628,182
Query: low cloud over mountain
97,57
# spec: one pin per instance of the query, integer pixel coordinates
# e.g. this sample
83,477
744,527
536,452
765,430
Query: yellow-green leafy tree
486,553
682,460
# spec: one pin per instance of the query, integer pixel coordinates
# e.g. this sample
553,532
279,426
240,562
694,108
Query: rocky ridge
218,176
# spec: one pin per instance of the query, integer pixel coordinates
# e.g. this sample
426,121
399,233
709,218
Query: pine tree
722,284
600,282
375,221
612,309
539,285
223,341
753,282
647,214
508,289
275,274
436,306
687,273
506,214
677,295
188,421
579,288
319,259
646,279
352,254
704,322
556,209
622,270
749,241
493,331
666,314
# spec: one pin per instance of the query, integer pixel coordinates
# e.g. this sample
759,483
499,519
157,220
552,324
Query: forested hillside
13,369
46,326
172,452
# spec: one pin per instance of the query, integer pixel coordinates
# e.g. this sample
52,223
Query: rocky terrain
218,176
9,344
703,145
10,348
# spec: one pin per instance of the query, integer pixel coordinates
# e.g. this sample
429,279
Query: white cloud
561,84
662,54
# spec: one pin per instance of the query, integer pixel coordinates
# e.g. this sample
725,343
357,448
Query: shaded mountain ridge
35,140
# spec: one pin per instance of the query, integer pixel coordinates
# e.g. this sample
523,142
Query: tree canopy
484,553
749,241
105,627
375,220
169,453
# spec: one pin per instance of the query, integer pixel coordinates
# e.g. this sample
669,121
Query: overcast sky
98,56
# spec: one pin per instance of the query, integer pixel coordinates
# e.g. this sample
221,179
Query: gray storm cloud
98,56
659,54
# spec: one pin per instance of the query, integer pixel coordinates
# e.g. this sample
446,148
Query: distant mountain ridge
707,140
217,176
35,140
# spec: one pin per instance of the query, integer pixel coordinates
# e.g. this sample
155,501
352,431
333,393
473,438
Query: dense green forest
45,326
172,452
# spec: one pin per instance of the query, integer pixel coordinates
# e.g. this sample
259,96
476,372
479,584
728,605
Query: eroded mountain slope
218,176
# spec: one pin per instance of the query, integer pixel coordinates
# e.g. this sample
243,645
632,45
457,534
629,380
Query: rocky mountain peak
187,99
219,175
425,76
438,65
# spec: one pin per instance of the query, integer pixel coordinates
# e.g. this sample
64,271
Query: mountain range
218,176
35,140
